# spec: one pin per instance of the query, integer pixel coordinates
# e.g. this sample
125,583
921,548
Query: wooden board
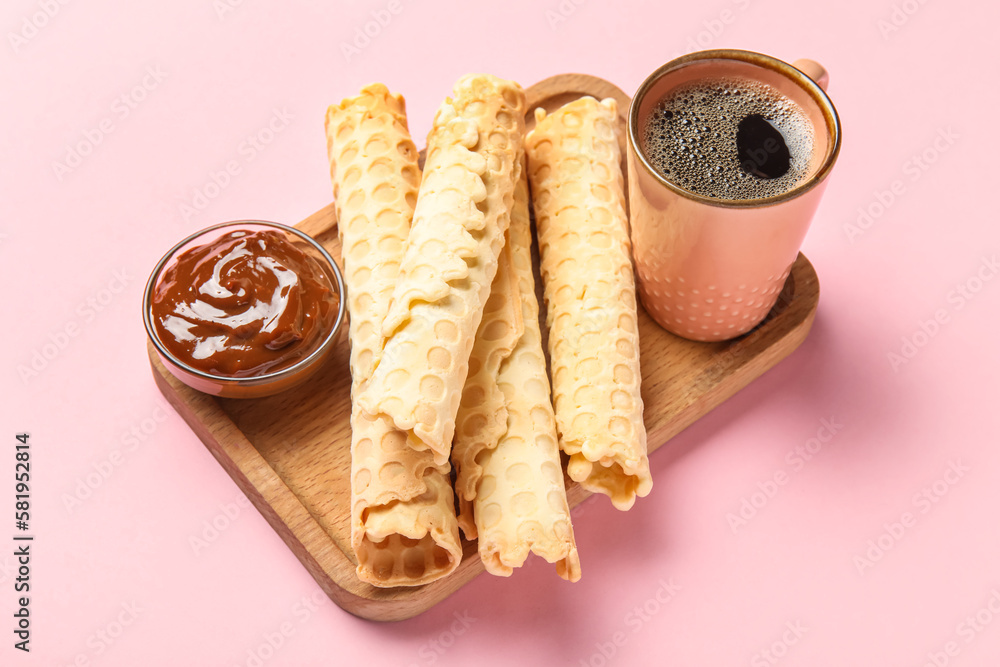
291,453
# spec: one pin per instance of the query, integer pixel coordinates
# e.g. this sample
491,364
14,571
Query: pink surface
122,490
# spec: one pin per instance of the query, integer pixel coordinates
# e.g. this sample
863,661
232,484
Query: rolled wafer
462,213
403,526
482,414
517,494
574,164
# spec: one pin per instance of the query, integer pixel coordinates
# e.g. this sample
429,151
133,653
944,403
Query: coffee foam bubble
690,137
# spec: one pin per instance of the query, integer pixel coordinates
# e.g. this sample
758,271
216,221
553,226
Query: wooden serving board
290,453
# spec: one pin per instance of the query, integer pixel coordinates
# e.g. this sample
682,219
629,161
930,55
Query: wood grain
291,453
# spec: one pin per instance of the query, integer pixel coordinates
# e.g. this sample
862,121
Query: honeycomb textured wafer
482,414
403,525
520,504
574,164
462,213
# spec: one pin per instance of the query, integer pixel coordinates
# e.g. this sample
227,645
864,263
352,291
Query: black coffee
729,138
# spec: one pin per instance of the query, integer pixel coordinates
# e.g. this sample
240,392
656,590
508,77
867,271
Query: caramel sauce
246,304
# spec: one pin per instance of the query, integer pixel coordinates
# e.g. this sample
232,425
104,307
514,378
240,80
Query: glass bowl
267,382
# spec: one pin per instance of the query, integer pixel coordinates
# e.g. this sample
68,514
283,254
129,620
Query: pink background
121,486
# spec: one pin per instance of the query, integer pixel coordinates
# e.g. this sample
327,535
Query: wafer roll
574,164
462,213
519,498
482,414
403,526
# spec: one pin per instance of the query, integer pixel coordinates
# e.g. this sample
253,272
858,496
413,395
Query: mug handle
813,70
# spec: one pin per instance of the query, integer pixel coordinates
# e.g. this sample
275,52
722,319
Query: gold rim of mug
761,60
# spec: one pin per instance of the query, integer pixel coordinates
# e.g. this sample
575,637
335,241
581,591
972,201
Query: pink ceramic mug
711,269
